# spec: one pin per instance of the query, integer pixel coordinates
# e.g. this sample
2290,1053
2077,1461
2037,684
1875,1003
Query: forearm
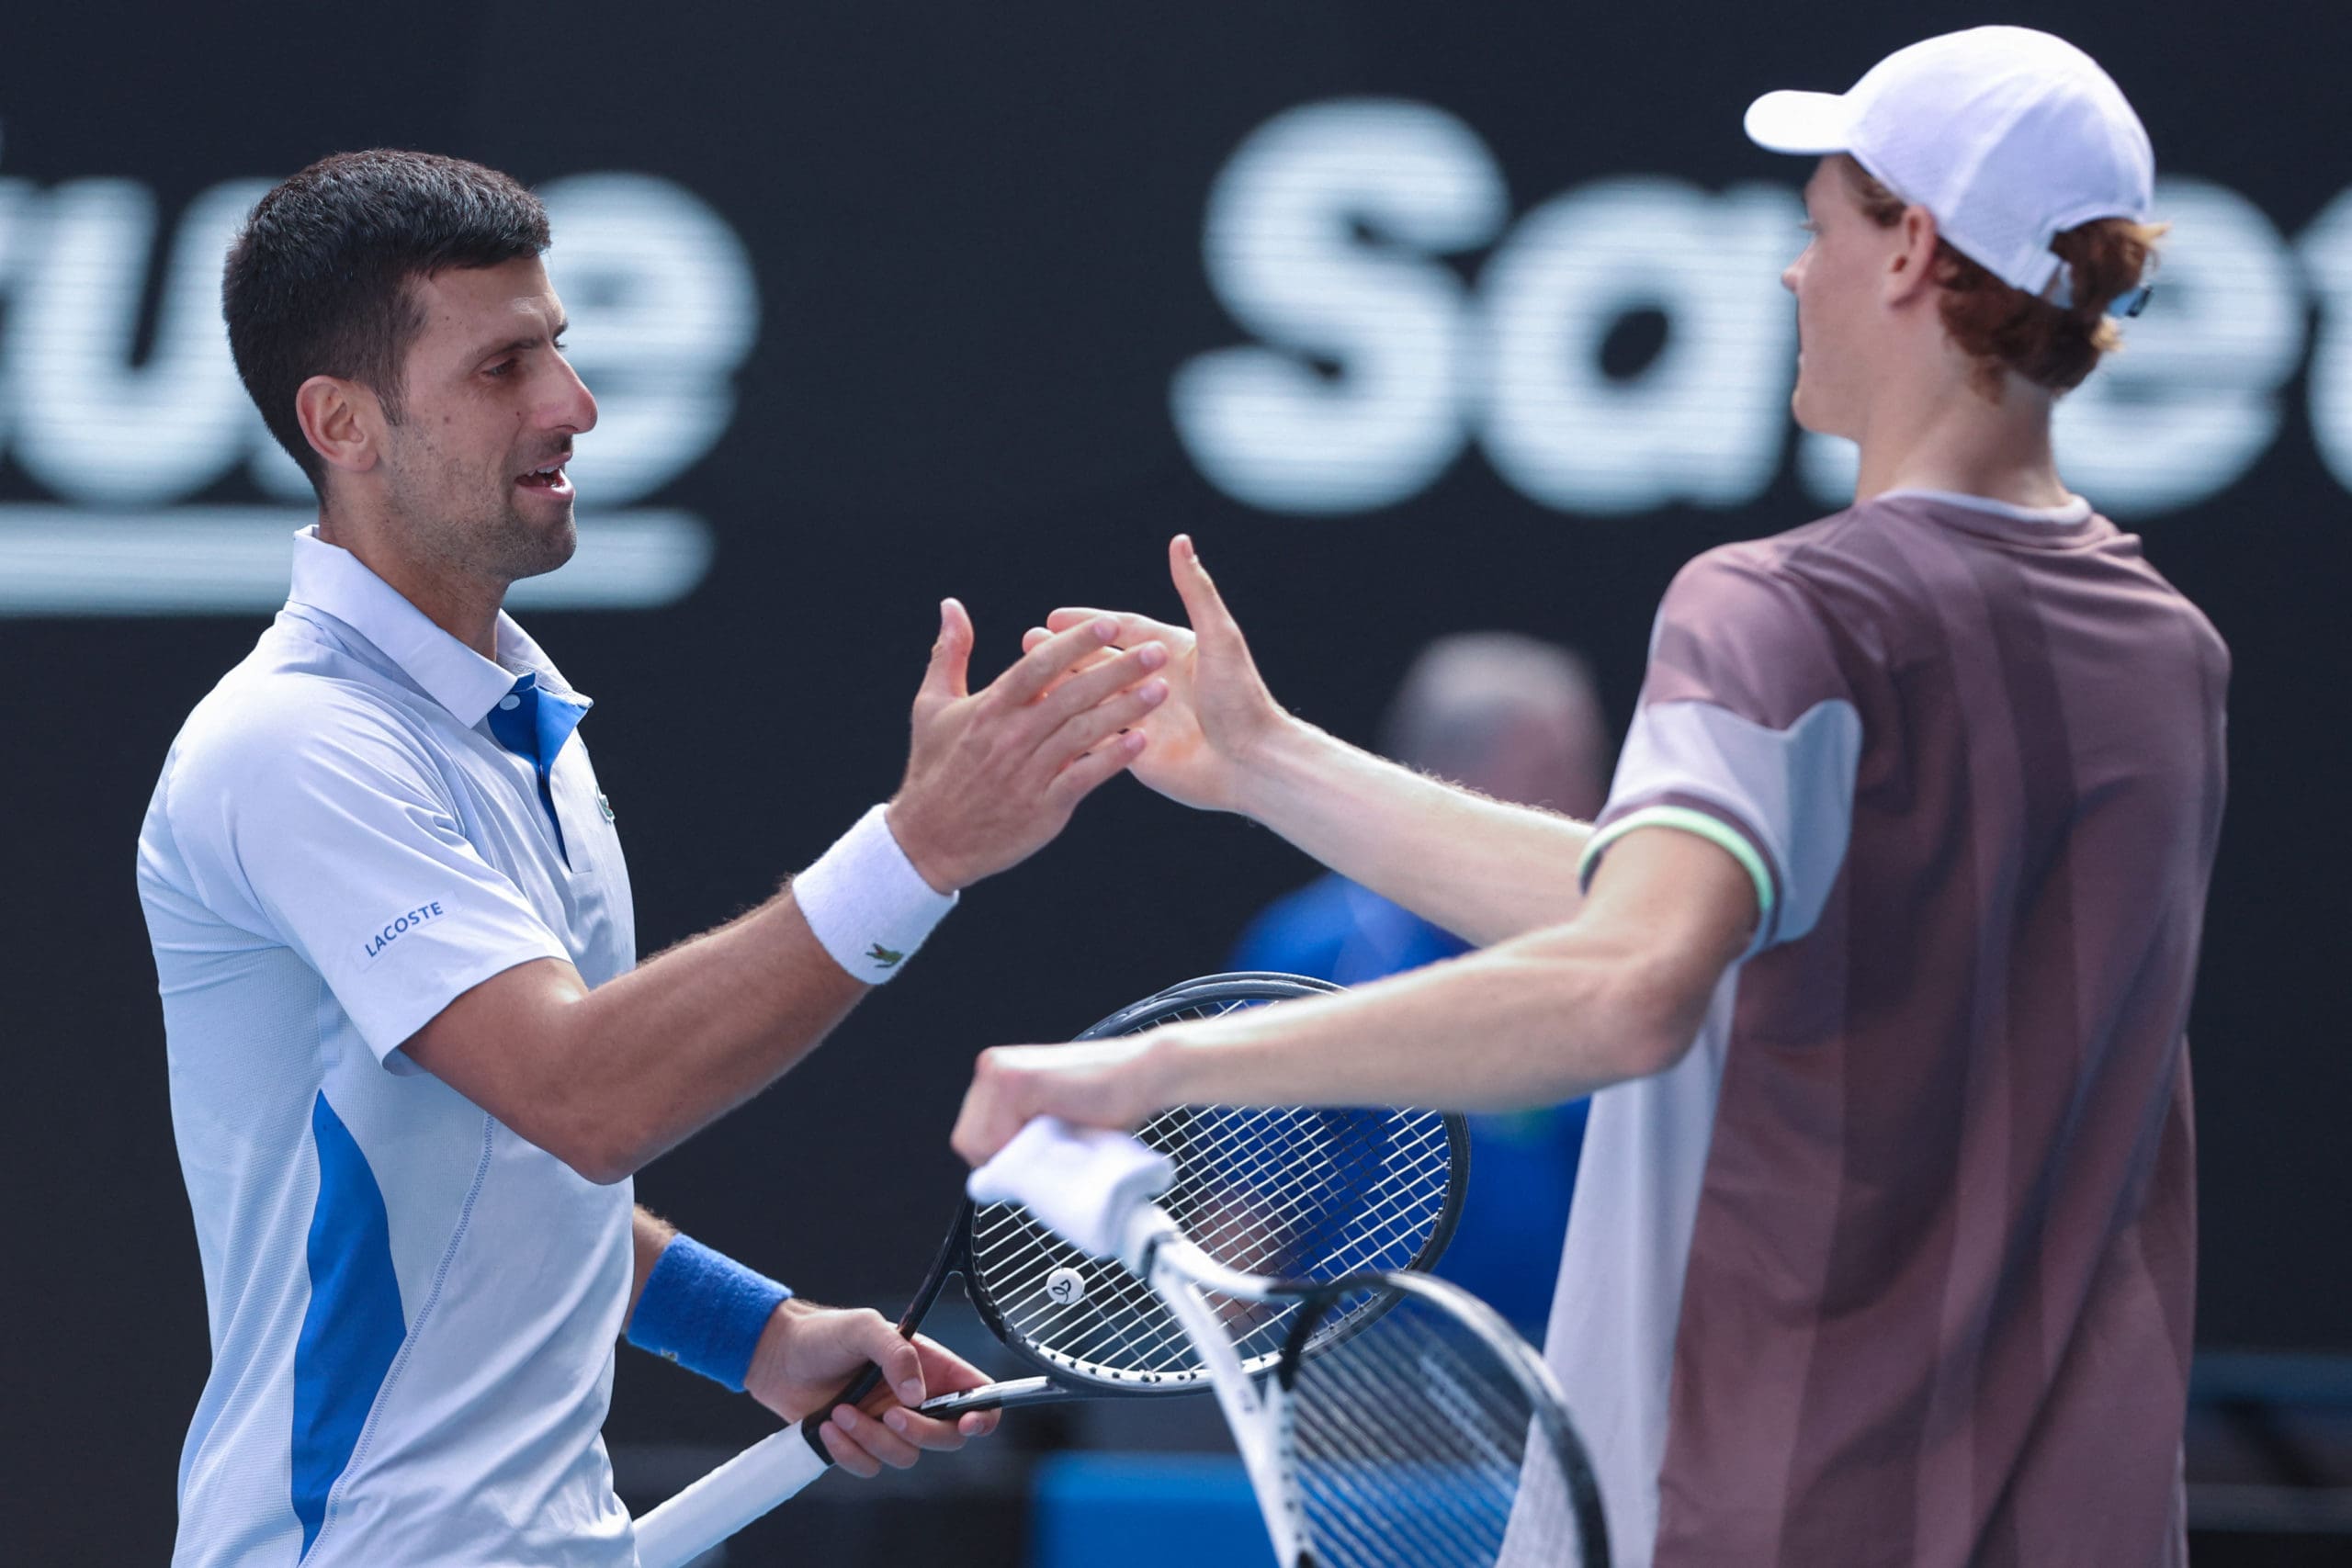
1535,1020
1618,993
1484,869
650,1057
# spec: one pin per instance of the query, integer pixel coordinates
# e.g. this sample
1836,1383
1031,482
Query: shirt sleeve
1747,735
319,823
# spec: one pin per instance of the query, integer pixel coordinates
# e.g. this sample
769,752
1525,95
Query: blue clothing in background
1522,1163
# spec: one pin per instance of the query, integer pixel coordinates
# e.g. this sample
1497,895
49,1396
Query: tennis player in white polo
414,1059
1880,953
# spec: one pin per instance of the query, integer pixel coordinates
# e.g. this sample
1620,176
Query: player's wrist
1278,761
925,848
705,1311
868,903
770,1357
1164,1071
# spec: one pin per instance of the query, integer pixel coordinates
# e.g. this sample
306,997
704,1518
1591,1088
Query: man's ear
342,421
1911,269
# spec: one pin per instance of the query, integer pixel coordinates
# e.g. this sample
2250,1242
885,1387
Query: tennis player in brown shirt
1879,955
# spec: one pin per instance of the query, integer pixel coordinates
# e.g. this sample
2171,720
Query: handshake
993,776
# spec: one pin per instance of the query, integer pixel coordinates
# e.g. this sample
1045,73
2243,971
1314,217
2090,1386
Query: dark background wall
976,245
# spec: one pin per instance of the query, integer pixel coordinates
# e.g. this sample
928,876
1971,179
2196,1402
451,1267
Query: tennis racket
1402,1421
1311,1193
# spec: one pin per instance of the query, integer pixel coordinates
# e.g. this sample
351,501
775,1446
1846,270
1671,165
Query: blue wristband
704,1311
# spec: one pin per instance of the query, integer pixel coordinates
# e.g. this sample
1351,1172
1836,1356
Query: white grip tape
1083,1183
865,901
727,1499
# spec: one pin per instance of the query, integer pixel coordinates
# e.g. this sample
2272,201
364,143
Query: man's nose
573,406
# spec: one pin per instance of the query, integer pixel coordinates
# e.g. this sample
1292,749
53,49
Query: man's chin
544,546
1811,419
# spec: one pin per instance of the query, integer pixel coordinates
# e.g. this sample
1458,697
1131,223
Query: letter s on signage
1284,257
1417,360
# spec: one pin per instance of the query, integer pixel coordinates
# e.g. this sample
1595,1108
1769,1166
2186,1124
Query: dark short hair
318,281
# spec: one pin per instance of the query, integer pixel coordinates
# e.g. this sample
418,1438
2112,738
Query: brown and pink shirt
1896,1264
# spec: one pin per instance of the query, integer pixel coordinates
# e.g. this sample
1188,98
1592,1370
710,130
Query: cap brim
1802,123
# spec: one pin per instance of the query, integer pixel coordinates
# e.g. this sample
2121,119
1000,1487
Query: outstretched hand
1218,717
808,1352
992,775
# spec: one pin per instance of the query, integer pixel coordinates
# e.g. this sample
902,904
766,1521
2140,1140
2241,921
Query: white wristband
867,902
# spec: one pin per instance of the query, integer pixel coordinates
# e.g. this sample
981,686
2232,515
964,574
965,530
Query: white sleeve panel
1789,791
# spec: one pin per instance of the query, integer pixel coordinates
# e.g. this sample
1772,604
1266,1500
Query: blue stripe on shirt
353,1326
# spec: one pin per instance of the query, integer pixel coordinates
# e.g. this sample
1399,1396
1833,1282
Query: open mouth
548,478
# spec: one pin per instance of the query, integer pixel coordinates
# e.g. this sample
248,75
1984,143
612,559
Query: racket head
1307,1195
1429,1433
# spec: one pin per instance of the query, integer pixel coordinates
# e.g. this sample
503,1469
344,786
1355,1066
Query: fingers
1001,1101
1094,660
886,1432
1132,628
862,1444
859,1440
1082,775
946,1371
1089,728
1036,669
874,1338
951,656
929,1434
1089,686
989,1115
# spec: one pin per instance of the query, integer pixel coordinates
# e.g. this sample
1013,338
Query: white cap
2009,136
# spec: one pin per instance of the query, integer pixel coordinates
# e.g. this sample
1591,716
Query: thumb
1203,605
883,1344
951,656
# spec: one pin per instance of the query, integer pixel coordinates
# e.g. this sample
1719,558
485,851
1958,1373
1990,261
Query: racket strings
1415,1442
1282,1192
1312,1208
1285,1213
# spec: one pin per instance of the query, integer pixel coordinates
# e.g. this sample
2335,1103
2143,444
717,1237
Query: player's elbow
598,1154
1655,1008
605,1141
606,1167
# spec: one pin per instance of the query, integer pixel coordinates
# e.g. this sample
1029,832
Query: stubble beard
488,540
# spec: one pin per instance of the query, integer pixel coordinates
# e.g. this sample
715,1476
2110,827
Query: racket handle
852,1391
1085,1182
729,1497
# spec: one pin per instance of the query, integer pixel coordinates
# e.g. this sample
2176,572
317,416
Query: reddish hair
2005,329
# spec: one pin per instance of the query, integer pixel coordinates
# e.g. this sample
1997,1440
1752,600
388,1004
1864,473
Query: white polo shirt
412,1309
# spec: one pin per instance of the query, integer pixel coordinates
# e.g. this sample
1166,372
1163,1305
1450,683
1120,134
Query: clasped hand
992,775
808,1352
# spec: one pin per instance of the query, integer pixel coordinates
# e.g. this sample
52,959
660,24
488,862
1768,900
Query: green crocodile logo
883,956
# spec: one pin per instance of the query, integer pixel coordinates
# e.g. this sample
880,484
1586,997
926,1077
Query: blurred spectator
1519,720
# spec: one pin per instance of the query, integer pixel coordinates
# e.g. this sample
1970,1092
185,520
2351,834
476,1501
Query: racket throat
1258,1412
